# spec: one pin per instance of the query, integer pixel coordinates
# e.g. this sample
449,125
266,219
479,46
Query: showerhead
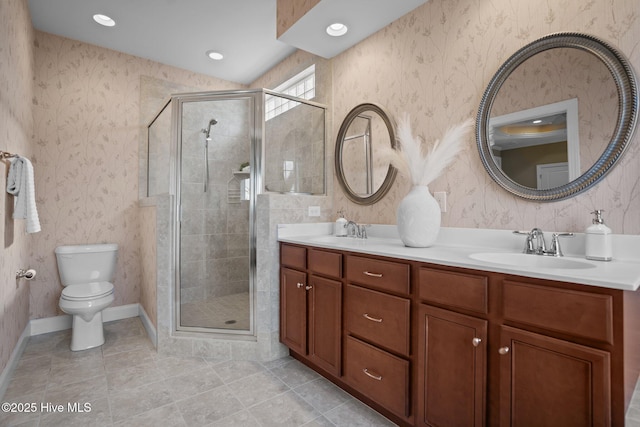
207,131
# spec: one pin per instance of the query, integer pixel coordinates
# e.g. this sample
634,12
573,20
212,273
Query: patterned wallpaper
16,123
435,63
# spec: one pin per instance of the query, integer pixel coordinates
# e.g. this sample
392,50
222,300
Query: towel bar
6,155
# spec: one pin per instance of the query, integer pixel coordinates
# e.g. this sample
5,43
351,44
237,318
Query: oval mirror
365,177
557,116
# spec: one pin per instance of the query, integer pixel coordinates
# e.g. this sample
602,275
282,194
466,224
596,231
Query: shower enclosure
215,152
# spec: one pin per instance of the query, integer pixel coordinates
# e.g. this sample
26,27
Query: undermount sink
531,261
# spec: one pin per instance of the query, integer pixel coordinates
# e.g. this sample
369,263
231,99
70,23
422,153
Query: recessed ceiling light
215,55
337,29
104,20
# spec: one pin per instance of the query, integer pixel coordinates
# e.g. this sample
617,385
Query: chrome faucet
540,248
352,228
355,230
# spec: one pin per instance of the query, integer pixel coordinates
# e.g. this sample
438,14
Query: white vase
419,218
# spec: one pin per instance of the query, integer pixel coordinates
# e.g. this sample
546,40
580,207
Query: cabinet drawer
379,318
379,375
466,291
582,314
326,263
383,275
293,256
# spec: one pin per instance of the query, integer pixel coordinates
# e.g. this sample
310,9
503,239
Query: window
302,85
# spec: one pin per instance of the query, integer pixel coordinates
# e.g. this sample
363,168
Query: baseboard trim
148,326
12,363
120,312
46,325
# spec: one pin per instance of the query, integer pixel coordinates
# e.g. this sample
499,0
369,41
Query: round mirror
557,116
364,176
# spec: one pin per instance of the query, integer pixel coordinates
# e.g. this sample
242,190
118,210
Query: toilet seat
87,291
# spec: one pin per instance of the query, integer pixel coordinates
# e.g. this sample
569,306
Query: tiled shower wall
294,155
215,223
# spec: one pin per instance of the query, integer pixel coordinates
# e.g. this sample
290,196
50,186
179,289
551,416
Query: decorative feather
424,166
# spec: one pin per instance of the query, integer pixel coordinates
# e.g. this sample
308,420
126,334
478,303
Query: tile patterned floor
126,383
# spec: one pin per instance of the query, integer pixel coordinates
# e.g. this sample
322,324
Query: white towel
20,184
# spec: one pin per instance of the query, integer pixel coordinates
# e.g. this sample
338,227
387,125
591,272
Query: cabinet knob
503,350
476,341
300,285
308,288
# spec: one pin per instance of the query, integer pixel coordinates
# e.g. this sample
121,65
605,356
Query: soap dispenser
598,244
341,222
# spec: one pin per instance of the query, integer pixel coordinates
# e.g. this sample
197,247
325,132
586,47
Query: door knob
308,288
476,341
503,350
299,285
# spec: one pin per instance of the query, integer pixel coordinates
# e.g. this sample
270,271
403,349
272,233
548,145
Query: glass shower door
215,207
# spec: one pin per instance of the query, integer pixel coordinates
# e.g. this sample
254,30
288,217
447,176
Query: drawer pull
503,350
367,273
309,288
300,285
375,377
373,319
476,341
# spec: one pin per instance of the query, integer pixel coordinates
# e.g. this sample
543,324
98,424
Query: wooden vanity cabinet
293,313
555,353
377,331
452,348
430,345
550,382
311,305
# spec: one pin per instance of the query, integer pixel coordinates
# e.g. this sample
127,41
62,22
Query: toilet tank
79,264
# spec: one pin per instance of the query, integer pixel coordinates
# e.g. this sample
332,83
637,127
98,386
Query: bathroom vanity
441,336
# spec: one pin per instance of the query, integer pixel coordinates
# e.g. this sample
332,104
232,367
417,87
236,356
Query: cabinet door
325,323
451,368
293,306
549,382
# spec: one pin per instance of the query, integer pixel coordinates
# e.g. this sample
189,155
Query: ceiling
180,32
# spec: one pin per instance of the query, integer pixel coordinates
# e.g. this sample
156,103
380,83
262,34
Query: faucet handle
555,243
528,244
363,230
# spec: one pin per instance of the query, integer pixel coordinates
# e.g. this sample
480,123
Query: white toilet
86,272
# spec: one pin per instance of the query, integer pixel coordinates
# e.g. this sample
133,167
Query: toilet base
86,335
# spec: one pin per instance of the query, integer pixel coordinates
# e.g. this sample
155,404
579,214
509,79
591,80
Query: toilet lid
87,291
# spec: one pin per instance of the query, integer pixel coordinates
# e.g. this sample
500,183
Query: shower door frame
256,111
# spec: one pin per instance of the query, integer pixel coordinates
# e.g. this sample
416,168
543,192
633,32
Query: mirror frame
391,172
626,86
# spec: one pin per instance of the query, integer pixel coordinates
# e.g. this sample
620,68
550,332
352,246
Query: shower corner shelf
242,174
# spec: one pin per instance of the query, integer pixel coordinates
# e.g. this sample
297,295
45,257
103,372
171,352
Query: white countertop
457,247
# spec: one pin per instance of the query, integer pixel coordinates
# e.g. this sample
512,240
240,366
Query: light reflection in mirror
539,147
